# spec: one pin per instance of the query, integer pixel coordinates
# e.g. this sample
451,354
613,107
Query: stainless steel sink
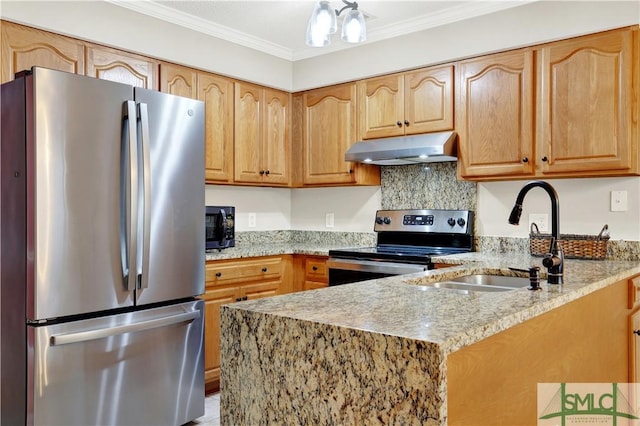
481,283
493,280
468,287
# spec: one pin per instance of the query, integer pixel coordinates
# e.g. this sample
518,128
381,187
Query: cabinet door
494,114
585,103
428,100
381,107
260,290
634,348
276,142
114,65
179,81
329,130
248,133
24,47
217,94
213,299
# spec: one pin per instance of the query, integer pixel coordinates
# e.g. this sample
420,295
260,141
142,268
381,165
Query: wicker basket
573,246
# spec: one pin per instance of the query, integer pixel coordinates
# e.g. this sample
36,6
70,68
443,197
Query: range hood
425,148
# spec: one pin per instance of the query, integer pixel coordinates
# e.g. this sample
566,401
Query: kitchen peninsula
394,351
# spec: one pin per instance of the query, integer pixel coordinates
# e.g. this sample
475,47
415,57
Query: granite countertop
258,250
401,306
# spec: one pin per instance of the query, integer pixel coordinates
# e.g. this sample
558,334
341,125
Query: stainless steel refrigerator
102,253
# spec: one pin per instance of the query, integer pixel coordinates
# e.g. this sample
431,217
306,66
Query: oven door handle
390,268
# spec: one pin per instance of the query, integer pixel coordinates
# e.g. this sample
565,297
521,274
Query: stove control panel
425,221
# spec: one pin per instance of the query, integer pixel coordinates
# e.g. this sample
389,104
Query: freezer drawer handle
84,336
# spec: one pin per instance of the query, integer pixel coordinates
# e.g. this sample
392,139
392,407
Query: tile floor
211,412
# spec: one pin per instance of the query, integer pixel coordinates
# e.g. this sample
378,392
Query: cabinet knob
525,160
245,297
636,332
350,170
399,123
261,172
238,299
545,158
267,173
406,123
264,269
315,268
218,274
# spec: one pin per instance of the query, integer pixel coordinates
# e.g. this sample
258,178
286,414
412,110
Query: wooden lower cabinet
494,381
316,273
230,281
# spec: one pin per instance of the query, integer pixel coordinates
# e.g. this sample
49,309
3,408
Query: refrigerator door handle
85,336
129,187
143,256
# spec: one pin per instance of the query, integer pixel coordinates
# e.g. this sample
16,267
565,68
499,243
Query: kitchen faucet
554,259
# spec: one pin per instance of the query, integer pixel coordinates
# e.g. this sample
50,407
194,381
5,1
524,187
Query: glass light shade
316,37
354,29
324,17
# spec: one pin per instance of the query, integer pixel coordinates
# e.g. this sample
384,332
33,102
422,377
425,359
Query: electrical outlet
329,219
252,220
540,219
619,201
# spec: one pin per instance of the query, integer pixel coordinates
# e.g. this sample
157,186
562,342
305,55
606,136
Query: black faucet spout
554,260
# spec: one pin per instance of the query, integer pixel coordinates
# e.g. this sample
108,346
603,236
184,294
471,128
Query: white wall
584,207
299,209
272,206
354,208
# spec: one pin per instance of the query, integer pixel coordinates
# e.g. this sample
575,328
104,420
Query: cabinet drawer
243,271
316,269
634,292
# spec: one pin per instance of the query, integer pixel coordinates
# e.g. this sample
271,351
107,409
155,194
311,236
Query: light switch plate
329,219
541,219
619,201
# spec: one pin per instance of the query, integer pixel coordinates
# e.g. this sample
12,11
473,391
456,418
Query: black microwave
220,227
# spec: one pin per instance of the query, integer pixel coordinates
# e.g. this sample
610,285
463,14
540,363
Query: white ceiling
278,27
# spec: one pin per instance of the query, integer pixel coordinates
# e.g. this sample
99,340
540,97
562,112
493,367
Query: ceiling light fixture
324,22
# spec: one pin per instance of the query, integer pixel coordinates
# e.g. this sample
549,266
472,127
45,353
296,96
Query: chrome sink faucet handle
554,259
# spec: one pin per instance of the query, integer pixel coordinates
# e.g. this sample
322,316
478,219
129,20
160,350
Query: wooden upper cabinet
276,148
262,135
328,129
579,118
178,80
494,114
248,134
25,47
114,65
405,104
217,94
428,100
381,106
585,103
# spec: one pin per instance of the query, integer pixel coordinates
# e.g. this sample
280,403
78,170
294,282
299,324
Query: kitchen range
102,253
406,241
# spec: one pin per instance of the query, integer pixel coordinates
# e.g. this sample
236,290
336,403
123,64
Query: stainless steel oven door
345,271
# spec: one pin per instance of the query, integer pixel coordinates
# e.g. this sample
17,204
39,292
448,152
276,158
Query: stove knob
461,221
379,220
387,220
451,221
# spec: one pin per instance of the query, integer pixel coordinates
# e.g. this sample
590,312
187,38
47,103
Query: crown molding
420,23
195,23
